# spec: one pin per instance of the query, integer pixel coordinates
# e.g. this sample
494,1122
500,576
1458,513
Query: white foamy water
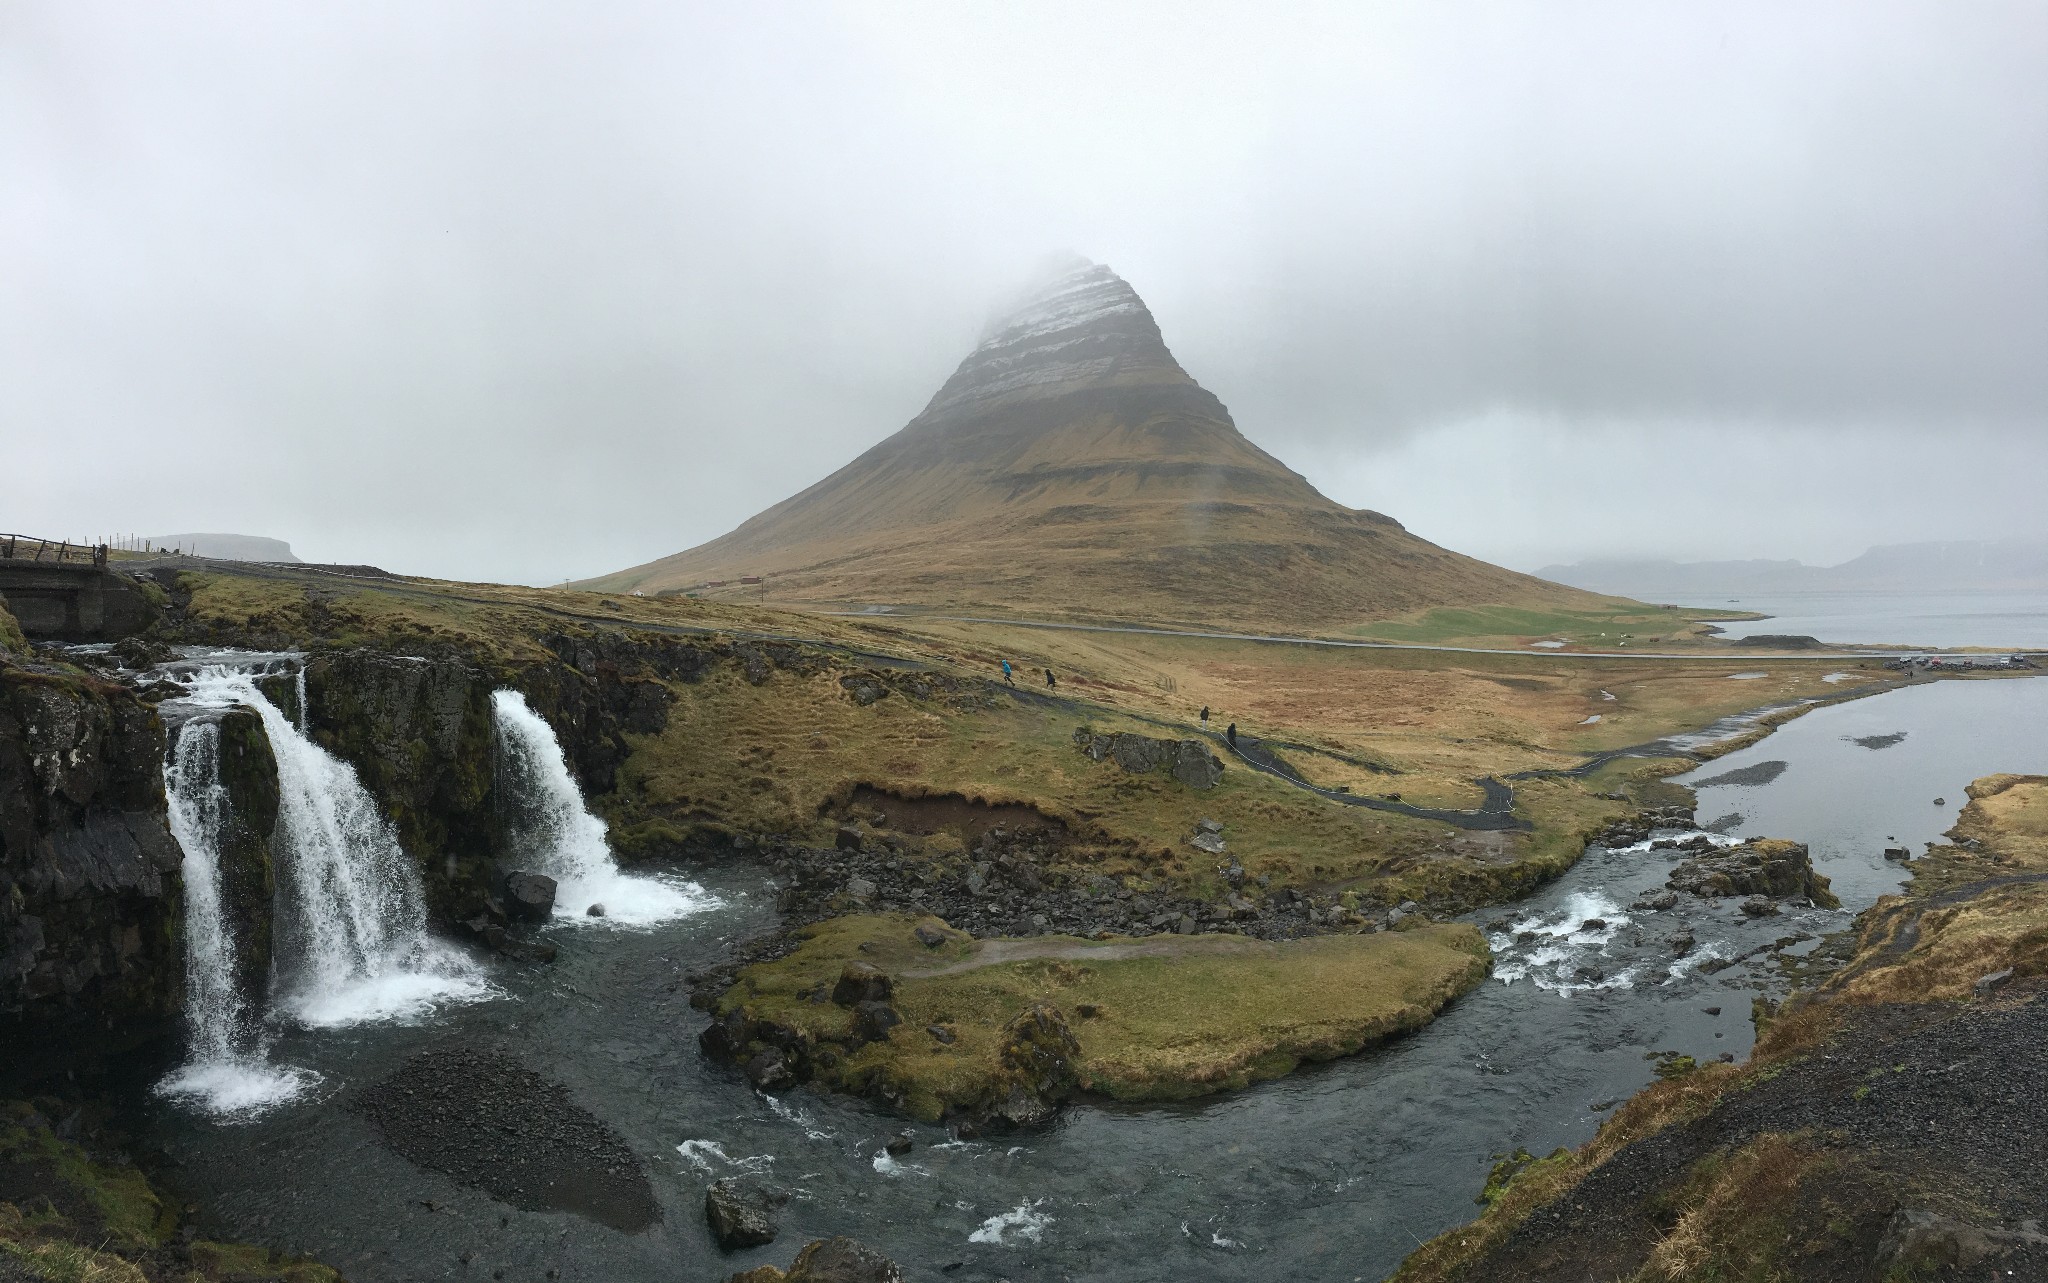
351,931
554,833
226,1070
1024,1221
1562,944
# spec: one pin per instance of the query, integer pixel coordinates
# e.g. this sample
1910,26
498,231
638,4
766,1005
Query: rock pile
1187,760
1766,870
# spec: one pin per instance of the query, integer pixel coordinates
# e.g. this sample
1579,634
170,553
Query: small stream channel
1336,1172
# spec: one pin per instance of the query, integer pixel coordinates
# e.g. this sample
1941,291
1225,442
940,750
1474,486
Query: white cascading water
553,833
350,932
226,1070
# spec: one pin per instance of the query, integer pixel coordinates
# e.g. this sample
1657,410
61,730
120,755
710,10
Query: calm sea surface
1897,619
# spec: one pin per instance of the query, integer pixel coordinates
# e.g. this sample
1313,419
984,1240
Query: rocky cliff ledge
90,892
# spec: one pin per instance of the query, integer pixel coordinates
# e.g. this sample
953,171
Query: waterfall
351,943
552,832
226,1070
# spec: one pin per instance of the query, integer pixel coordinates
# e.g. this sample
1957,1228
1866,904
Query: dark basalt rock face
1187,760
90,885
419,734
248,877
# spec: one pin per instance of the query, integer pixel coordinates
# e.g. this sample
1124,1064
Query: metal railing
31,548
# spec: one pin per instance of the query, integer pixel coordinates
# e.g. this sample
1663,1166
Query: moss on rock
68,1215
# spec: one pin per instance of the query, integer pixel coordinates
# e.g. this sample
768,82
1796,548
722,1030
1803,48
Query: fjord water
1335,1172
1959,618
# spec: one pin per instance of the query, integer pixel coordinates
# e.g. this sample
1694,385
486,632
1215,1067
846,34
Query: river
1336,1172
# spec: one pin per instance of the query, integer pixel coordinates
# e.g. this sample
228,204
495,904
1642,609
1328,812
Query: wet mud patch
1748,777
1874,742
943,813
485,1120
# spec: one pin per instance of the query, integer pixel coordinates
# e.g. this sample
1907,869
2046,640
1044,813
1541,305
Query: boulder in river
741,1212
831,1260
529,897
1765,867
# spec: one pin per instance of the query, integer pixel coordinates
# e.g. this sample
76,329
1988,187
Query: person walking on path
1231,735
1006,673
1205,714
1050,680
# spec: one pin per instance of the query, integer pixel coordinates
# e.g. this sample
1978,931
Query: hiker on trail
1205,714
1050,681
1231,735
1006,673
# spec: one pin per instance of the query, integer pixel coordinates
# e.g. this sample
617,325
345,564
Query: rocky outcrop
1766,868
1040,1058
90,889
248,878
418,732
1187,760
831,1260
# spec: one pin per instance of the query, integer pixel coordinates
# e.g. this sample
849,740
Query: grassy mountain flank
1072,468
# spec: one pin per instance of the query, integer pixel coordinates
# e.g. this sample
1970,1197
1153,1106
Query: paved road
1285,640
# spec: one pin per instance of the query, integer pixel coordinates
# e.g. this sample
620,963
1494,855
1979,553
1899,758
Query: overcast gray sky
528,291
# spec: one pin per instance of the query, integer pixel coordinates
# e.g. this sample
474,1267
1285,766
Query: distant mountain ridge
1071,467
226,547
1977,565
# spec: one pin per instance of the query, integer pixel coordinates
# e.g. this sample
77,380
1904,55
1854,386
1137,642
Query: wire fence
32,548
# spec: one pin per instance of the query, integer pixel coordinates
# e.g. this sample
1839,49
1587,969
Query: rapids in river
1335,1172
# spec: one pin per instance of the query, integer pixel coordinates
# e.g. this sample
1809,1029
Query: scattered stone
1209,826
862,982
529,897
872,1021
860,888
943,1034
1593,924
485,1120
594,911
741,1212
929,936
1985,986
900,1144
1657,900
1683,942
1759,906
1208,842
848,837
1897,853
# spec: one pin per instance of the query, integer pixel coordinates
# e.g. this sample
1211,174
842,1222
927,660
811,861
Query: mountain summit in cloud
1071,467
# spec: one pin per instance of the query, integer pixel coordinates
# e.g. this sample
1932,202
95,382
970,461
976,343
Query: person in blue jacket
1006,673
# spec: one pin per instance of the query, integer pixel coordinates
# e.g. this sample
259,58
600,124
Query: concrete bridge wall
69,601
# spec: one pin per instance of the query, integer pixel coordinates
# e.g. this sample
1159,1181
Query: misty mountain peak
1080,326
